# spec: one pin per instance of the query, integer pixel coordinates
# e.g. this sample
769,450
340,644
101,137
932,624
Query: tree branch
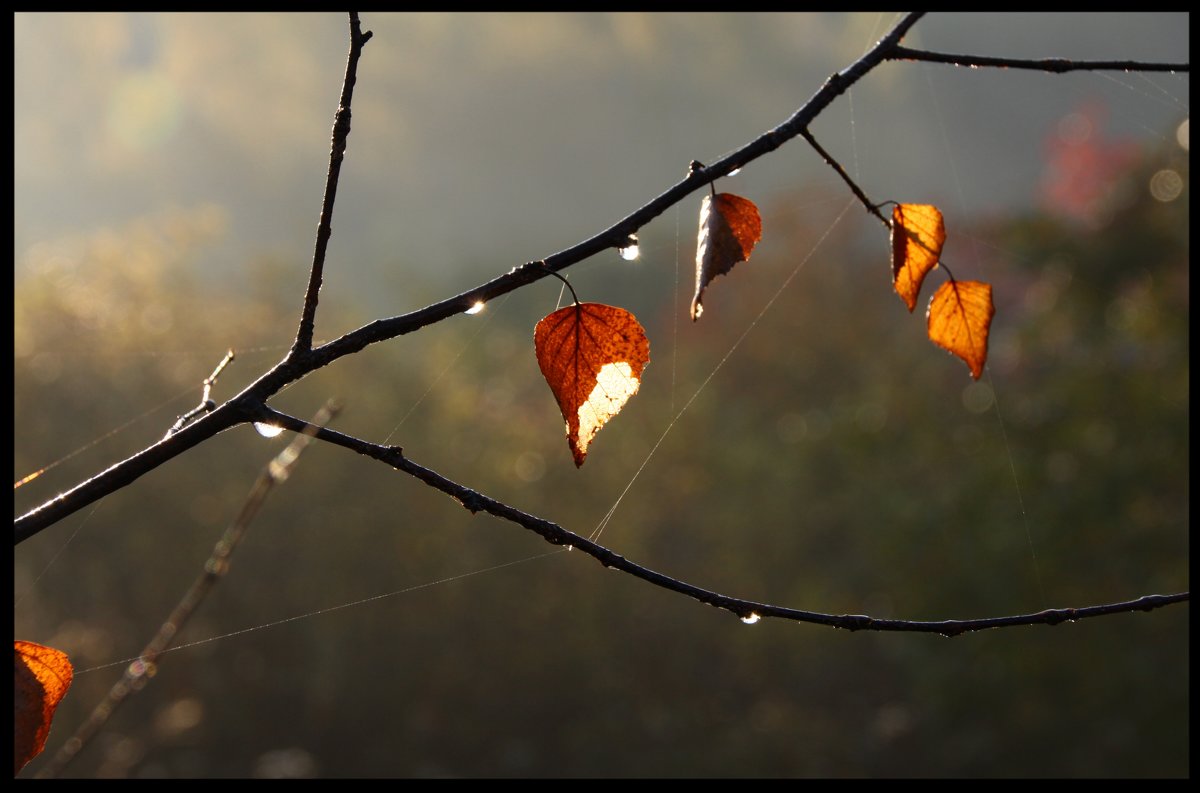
872,207
747,610
1053,65
206,404
337,153
617,235
250,405
302,361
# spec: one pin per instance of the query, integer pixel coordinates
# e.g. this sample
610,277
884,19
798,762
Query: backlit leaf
592,356
918,234
960,314
729,228
42,677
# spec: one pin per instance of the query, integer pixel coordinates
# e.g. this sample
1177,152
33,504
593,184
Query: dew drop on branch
630,252
267,430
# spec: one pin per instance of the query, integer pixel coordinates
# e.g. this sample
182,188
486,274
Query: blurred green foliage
835,461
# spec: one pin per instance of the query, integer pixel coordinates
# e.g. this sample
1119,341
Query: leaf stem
560,277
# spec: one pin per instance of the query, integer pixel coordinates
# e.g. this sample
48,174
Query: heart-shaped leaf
959,317
592,356
42,677
918,234
729,228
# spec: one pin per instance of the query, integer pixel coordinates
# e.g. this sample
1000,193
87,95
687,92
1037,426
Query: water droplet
570,547
475,309
751,618
630,252
267,430
734,172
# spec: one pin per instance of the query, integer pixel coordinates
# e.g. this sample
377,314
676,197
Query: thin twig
337,153
747,610
138,673
854,188
206,404
1052,65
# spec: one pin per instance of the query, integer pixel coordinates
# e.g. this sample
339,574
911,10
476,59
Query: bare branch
854,188
341,131
206,404
127,471
1053,65
747,610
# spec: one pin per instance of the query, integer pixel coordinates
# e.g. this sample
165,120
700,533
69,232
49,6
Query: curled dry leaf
959,317
592,356
729,228
42,677
918,234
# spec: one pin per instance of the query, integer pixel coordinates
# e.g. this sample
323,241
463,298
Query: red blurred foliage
1081,166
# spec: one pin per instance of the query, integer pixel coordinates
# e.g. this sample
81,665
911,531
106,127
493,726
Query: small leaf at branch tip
592,356
730,227
751,618
267,430
475,308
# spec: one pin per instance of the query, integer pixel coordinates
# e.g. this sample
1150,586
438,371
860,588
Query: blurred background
168,177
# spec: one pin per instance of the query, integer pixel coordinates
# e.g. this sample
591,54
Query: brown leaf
592,356
960,314
729,228
918,234
42,677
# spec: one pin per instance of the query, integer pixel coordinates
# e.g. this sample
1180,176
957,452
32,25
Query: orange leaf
960,314
42,677
727,235
592,355
918,234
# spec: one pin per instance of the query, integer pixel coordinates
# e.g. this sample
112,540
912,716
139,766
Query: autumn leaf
592,356
960,314
918,234
42,677
729,228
